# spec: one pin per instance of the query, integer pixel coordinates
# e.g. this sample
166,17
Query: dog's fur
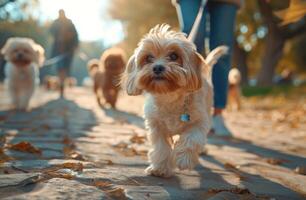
234,91
24,57
105,74
185,80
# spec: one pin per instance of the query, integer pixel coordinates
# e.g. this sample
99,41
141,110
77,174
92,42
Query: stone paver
94,153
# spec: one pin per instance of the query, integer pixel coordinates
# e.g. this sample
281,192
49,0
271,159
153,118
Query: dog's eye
173,56
149,58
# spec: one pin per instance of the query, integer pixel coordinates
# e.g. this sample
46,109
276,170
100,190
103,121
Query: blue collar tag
185,117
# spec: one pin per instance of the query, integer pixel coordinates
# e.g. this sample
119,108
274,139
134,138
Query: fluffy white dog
23,58
179,97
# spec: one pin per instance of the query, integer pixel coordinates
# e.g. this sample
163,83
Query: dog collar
185,117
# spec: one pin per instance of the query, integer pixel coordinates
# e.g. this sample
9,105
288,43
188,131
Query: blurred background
269,47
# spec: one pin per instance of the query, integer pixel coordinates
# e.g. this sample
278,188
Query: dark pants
218,25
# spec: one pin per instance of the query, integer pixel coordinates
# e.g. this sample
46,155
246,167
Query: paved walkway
72,149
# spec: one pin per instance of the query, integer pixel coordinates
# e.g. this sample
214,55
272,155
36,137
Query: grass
284,90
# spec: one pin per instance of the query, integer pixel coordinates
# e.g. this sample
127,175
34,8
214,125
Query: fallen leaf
25,147
67,140
3,157
109,162
45,126
121,145
74,166
138,139
102,184
69,152
59,175
274,161
229,165
3,118
235,190
117,193
300,170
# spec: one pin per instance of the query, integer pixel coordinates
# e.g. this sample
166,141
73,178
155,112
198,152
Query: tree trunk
272,54
274,46
240,61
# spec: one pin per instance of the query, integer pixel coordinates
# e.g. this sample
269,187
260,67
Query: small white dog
179,97
23,58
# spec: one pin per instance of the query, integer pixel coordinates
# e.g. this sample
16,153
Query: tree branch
266,11
293,29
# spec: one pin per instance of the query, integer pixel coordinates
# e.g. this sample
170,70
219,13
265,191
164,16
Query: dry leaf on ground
3,157
25,146
274,161
300,170
69,152
110,189
138,139
73,166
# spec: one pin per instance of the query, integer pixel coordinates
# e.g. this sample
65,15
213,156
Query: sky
90,18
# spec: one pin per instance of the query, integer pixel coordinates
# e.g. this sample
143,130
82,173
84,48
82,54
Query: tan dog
234,91
105,75
53,82
168,68
24,57
71,82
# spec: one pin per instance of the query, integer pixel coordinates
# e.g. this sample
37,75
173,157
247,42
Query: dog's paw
159,171
186,159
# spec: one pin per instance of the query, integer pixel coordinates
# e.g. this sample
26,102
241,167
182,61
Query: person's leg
188,11
62,76
64,72
222,22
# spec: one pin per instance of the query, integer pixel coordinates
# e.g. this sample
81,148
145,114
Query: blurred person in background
217,24
65,43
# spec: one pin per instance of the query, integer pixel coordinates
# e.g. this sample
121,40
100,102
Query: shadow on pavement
259,186
47,126
290,161
130,118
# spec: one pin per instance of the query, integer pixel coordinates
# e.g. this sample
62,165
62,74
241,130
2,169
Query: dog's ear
128,79
39,54
6,47
194,75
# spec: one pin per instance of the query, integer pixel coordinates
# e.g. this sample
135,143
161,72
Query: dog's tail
93,66
212,58
215,54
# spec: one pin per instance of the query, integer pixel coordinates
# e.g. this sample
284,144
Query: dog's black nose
19,56
158,69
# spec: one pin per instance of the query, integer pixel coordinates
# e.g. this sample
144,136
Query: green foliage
286,90
139,16
29,28
16,10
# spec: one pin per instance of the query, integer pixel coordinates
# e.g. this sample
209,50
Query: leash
60,57
55,59
197,21
185,116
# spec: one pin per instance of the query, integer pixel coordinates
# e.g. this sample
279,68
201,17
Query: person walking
217,24
65,43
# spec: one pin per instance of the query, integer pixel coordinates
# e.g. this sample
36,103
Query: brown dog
105,74
234,91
